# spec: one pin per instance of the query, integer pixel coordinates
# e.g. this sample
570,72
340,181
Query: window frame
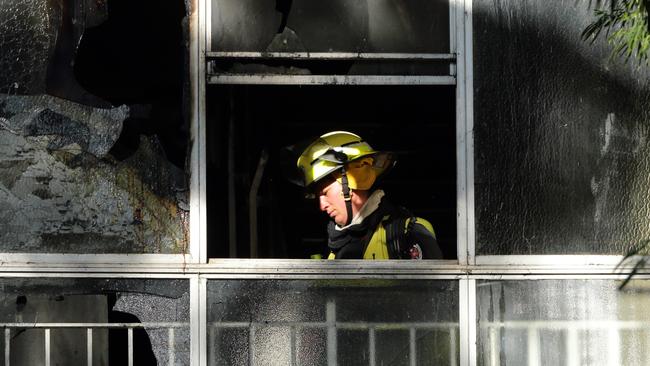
196,267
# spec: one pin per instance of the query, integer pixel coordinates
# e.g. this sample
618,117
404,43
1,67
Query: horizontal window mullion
332,56
278,79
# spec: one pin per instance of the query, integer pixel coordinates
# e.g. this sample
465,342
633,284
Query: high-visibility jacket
407,238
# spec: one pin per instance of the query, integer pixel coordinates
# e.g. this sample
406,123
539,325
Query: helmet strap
346,195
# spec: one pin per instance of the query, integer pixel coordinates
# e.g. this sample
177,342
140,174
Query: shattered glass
562,161
381,26
61,192
274,322
339,25
28,31
75,300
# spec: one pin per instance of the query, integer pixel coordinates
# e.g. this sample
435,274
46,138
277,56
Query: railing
571,328
331,325
47,327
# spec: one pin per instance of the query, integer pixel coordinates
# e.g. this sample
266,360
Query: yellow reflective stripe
377,248
331,256
427,225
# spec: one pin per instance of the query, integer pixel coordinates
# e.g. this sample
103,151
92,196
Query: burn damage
420,26
63,192
93,130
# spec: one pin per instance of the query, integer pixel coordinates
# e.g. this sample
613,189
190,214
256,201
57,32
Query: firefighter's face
330,198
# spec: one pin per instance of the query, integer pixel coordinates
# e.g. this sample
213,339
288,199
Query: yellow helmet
335,151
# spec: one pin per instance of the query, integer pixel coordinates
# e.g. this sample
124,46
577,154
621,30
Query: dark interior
416,122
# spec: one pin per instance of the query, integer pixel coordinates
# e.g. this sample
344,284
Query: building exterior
525,145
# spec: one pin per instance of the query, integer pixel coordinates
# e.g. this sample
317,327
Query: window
280,81
530,150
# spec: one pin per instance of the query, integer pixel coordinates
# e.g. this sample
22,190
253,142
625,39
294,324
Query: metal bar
453,347
197,65
293,346
7,346
533,347
330,319
30,260
89,346
232,203
171,349
485,265
565,262
252,203
350,269
464,134
573,357
47,347
212,343
472,321
452,34
494,342
586,324
198,317
462,227
645,334
251,345
208,24
333,56
412,348
341,325
372,343
276,79
468,92
130,345
613,347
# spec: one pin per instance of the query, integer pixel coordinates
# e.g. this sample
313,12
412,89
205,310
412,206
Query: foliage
639,253
625,24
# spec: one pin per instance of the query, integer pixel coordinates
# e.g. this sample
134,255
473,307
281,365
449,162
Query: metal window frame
197,269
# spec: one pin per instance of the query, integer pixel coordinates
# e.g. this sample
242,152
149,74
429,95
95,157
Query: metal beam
277,79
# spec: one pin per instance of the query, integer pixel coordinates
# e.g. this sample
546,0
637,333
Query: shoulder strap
398,232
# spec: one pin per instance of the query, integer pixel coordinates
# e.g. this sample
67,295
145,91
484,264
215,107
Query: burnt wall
93,129
562,159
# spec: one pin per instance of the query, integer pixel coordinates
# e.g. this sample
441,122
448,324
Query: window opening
246,123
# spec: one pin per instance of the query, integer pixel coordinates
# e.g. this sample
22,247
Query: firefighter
341,169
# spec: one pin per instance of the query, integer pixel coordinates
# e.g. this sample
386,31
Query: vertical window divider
198,329
467,321
468,89
197,68
464,131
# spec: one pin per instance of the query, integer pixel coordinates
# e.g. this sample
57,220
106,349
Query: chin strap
346,195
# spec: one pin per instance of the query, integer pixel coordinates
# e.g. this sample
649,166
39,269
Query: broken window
249,126
93,133
74,320
420,26
299,69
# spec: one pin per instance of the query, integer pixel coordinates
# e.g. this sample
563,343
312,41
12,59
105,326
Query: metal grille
47,327
332,326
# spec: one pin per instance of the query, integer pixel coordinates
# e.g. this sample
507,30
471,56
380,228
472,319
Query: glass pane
561,133
356,322
412,26
156,310
563,322
93,162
